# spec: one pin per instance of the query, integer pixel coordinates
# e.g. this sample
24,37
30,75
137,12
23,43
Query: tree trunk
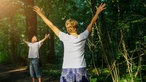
31,19
52,49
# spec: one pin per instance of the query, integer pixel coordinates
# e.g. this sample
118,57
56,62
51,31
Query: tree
31,19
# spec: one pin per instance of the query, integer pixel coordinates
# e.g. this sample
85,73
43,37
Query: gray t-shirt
34,49
74,49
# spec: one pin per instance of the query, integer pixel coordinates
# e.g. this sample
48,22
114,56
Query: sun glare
8,7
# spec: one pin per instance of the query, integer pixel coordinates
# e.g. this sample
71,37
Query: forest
115,50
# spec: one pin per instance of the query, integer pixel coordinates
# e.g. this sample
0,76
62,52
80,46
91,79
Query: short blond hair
71,24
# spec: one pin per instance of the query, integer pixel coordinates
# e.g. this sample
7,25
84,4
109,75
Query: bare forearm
50,24
25,41
95,18
43,40
99,9
89,28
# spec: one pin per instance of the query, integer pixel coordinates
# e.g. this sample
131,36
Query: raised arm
26,42
99,9
47,21
46,36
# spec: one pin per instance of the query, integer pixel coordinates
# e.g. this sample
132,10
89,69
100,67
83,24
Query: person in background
33,56
74,65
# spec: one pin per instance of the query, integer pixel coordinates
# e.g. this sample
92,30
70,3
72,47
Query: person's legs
36,69
33,79
39,80
31,70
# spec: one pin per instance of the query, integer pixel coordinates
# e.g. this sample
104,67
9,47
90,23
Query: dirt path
20,74
11,74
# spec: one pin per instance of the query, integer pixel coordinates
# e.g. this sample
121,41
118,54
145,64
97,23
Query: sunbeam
8,8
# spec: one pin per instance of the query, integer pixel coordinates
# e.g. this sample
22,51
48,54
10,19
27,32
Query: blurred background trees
115,50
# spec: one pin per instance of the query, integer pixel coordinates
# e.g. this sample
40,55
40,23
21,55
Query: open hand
37,9
23,40
47,35
101,7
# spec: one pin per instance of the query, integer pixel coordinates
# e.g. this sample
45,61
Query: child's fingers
48,34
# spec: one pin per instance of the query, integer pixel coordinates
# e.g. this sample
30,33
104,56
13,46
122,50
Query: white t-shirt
74,49
34,49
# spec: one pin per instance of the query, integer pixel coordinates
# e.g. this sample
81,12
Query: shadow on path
21,74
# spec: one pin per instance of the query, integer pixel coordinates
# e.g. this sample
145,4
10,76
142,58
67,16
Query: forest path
10,73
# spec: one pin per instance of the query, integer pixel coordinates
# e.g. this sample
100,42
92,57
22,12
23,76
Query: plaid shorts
74,75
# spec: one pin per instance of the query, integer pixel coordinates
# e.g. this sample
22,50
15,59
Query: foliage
116,47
